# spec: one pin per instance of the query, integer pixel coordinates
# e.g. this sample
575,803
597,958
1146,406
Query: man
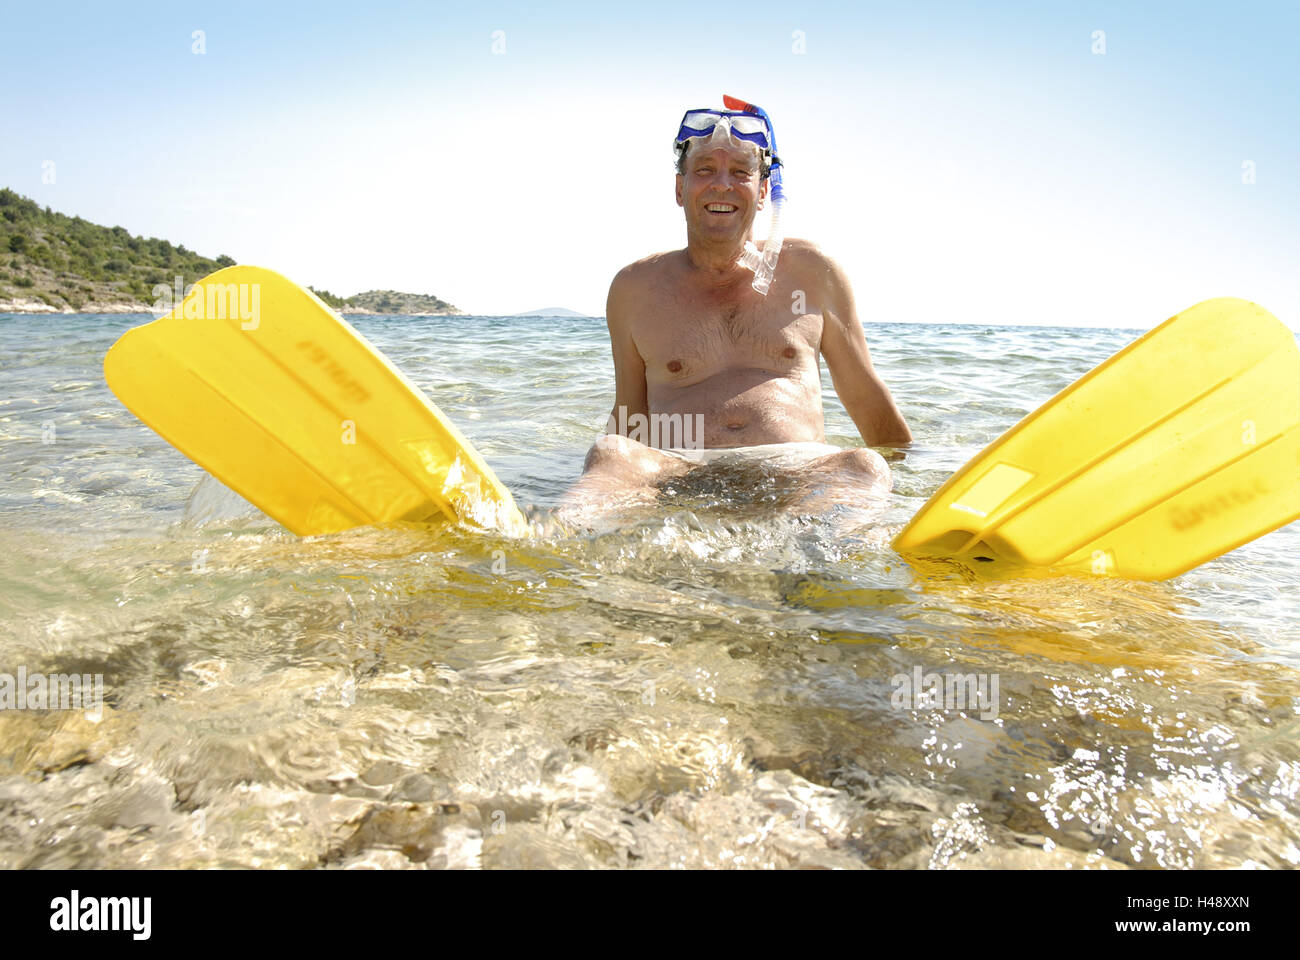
727,372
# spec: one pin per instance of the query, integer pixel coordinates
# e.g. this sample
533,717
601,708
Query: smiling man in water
707,368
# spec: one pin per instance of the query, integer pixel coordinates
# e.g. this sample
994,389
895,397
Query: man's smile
723,208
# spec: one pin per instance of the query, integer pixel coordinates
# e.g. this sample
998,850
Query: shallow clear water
704,684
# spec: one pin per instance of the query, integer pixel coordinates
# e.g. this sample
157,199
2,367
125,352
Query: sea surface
711,683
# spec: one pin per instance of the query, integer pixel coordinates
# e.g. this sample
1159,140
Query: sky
1073,163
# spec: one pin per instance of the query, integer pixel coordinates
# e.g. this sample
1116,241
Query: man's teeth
720,208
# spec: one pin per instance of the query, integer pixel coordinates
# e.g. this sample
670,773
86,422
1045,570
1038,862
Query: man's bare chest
681,340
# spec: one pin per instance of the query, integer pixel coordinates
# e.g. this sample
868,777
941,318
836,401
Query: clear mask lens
705,123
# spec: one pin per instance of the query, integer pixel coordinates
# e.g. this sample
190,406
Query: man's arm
864,395
629,367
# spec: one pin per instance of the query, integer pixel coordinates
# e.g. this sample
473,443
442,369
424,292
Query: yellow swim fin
1177,449
261,384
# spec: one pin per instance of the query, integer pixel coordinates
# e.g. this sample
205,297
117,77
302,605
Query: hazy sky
975,162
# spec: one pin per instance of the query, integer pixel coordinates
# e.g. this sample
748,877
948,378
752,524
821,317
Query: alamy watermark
211,301
79,913
53,691
667,431
958,692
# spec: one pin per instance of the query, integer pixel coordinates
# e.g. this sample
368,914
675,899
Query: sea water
709,683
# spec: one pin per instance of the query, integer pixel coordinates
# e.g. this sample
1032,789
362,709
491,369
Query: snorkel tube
763,262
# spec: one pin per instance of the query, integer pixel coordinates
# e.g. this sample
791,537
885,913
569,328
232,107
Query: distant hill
389,301
50,261
551,312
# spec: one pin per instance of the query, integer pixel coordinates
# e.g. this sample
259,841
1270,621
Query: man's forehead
737,154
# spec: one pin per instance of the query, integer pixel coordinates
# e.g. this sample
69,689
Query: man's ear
762,192
680,181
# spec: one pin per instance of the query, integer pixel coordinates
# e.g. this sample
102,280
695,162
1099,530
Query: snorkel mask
744,121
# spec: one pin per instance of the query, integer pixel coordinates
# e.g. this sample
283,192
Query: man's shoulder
823,277
810,265
806,253
630,284
646,267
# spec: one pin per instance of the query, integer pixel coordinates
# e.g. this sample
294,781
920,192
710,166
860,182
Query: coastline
24,305
363,312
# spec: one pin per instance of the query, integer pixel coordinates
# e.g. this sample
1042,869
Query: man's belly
741,408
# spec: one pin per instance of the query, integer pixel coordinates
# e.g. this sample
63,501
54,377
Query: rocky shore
22,305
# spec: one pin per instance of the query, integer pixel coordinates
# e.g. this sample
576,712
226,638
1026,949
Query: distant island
53,263
550,312
389,301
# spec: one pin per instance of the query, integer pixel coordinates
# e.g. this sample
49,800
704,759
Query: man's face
721,191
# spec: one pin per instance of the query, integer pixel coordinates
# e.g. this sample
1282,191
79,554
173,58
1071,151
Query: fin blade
1127,464
297,412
